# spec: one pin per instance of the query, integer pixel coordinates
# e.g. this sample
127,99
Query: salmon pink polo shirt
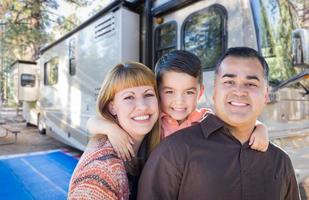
170,125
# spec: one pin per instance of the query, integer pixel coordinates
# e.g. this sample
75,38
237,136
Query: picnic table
14,129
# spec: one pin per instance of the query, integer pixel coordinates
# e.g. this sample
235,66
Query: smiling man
212,159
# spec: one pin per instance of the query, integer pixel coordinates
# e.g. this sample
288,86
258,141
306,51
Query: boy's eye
190,92
168,92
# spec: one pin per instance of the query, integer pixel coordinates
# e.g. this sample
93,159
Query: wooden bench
10,128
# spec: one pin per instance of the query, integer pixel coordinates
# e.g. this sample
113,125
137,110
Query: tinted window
51,72
204,34
165,39
72,57
27,80
274,25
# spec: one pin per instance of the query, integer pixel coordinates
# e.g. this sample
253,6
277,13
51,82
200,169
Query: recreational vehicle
24,79
73,67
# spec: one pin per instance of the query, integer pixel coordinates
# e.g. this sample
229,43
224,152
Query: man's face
240,92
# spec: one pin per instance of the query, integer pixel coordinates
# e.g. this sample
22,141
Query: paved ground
29,140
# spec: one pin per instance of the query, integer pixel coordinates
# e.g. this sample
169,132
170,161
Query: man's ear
214,89
202,89
111,108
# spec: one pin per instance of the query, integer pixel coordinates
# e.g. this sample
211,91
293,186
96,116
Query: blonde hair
122,76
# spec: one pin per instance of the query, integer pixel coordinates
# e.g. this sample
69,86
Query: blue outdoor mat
42,175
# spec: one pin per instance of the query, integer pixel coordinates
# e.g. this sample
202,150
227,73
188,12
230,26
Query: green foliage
26,25
24,28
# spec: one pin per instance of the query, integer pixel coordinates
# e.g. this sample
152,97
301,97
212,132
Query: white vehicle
73,67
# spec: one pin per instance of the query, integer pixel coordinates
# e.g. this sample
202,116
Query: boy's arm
259,139
120,140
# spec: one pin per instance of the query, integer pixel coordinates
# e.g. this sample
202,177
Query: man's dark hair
244,52
179,61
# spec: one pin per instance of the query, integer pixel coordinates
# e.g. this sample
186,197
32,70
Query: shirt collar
195,116
210,124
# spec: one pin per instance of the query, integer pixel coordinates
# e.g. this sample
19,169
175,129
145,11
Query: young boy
180,84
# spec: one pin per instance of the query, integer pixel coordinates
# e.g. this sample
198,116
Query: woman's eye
129,98
168,92
149,95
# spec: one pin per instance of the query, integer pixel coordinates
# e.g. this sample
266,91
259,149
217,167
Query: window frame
72,56
47,74
156,41
27,85
224,38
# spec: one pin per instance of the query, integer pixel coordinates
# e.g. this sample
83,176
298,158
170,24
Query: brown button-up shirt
206,162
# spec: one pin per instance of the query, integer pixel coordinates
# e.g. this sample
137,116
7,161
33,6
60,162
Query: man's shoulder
275,149
279,155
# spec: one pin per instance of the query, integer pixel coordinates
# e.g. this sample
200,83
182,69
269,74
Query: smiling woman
128,97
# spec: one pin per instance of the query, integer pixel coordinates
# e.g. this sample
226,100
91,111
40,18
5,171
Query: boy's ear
111,108
202,89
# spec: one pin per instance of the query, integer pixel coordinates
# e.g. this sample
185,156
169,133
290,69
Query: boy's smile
179,93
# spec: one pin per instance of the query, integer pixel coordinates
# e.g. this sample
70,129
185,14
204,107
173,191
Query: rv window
204,34
165,39
51,72
27,80
274,22
72,57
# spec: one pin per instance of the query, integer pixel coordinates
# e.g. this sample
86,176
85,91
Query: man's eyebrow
249,77
229,75
253,78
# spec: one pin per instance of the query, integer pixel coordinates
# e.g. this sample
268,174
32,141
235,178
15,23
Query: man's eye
228,82
253,85
129,98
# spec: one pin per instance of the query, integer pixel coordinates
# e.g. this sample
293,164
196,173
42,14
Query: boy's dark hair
244,52
179,61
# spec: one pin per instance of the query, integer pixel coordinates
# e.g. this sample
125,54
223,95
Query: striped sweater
99,174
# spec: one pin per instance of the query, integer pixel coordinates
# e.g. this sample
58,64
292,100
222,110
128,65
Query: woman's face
136,109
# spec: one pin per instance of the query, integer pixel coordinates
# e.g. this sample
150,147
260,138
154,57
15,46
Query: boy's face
179,93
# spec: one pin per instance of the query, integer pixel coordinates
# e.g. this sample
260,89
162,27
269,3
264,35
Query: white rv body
67,103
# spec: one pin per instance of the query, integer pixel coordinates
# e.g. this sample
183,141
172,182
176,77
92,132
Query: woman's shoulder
100,168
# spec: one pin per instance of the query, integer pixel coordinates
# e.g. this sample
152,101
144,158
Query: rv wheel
41,128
